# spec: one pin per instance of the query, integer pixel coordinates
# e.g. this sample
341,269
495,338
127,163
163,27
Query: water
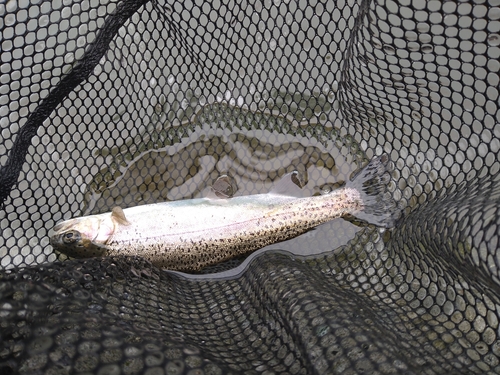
254,148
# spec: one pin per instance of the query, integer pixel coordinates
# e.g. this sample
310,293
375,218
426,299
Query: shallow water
255,148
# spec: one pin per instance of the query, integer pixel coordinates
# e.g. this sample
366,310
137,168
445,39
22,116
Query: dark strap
9,173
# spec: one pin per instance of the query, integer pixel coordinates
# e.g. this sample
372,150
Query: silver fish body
189,235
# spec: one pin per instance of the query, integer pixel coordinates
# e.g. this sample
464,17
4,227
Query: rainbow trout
188,235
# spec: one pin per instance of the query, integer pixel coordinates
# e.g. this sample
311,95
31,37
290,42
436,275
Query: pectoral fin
118,216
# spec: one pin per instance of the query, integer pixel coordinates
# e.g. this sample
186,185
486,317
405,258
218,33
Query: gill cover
87,236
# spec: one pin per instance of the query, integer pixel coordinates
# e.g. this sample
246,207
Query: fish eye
70,237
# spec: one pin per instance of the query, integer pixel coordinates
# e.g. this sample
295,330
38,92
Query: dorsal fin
289,185
211,194
224,186
118,216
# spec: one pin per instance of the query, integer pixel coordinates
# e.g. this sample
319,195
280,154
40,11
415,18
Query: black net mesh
131,102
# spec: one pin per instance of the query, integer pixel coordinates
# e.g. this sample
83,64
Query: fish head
84,237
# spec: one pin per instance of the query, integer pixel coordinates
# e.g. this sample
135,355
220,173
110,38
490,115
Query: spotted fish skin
189,235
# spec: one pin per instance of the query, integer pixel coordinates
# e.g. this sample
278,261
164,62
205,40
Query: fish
189,235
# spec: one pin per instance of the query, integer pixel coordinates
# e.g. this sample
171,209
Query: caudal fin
371,182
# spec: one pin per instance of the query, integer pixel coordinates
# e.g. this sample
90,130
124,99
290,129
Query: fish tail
379,207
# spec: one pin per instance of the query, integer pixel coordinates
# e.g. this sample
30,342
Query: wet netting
129,102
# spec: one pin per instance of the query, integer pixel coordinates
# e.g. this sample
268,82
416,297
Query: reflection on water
255,149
